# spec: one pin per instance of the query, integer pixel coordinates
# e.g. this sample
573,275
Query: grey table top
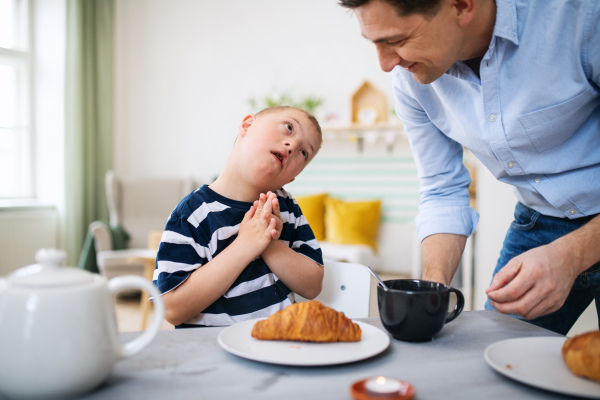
190,364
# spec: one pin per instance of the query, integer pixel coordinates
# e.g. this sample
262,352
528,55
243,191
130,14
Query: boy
240,248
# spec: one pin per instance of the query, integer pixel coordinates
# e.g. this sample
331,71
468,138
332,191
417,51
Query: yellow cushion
352,222
313,208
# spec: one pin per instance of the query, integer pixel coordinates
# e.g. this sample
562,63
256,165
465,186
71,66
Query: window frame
21,58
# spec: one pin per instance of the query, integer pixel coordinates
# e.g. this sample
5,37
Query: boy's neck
233,189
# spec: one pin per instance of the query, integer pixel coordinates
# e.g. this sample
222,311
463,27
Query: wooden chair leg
144,302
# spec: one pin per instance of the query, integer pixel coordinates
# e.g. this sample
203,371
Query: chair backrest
143,205
346,288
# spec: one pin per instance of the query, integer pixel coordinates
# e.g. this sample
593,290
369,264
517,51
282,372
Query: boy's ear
246,122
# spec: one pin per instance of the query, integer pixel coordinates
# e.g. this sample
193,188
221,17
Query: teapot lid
49,272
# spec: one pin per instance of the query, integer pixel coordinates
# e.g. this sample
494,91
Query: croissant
309,321
582,355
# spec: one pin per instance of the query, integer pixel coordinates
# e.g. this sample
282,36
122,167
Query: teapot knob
51,257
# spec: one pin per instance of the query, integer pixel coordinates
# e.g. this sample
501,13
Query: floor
129,317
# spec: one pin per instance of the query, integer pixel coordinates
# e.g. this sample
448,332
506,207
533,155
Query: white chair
346,288
140,206
351,253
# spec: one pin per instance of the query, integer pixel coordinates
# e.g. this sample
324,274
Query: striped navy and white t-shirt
201,226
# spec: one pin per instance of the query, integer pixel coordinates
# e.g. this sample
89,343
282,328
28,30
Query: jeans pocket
525,218
594,271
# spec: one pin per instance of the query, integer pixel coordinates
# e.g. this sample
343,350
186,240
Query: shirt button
492,117
537,179
510,164
572,211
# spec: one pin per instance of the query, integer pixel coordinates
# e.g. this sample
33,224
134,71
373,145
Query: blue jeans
531,229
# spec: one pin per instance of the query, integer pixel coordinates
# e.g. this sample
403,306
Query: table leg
144,302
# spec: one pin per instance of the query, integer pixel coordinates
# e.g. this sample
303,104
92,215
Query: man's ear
246,122
465,11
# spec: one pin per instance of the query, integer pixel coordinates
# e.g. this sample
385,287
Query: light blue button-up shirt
533,119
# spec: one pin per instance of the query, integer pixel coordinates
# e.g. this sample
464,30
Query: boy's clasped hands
262,224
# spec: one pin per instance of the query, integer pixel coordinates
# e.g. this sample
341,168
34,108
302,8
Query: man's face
425,46
279,144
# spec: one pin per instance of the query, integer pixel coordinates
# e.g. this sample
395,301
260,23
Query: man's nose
388,58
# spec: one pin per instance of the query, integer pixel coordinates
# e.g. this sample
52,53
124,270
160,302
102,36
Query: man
516,82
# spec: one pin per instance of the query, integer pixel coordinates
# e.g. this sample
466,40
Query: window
15,89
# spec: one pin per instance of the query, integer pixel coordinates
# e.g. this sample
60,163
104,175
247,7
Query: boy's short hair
308,115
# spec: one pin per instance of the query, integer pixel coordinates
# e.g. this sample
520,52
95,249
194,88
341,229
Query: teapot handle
132,281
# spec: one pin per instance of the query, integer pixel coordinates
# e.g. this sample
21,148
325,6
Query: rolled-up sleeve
444,180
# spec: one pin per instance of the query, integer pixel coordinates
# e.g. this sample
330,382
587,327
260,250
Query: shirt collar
506,21
504,28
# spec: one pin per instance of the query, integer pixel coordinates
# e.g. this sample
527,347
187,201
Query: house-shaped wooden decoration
369,105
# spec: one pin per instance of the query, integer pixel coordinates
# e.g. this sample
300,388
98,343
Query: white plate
537,361
237,340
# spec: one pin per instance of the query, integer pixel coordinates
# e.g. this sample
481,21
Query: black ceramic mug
414,310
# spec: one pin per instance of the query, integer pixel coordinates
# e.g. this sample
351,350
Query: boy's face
277,146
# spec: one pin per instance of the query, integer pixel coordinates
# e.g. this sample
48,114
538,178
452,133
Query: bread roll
309,321
582,355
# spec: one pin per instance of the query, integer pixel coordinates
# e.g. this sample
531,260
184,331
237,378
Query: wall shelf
361,129
368,134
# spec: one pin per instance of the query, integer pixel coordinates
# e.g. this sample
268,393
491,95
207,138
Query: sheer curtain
88,116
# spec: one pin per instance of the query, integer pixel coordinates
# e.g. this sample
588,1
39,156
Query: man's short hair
308,115
403,8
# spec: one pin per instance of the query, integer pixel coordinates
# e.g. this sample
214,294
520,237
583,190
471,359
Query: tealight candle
383,386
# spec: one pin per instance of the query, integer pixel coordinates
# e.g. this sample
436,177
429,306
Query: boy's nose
289,147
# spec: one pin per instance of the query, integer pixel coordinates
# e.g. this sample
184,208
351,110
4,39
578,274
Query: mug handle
460,304
132,281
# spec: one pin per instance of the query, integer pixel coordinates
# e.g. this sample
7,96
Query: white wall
185,70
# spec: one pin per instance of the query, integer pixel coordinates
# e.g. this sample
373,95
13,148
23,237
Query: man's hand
534,283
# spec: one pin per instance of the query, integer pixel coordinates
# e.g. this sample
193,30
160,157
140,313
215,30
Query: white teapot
58,332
